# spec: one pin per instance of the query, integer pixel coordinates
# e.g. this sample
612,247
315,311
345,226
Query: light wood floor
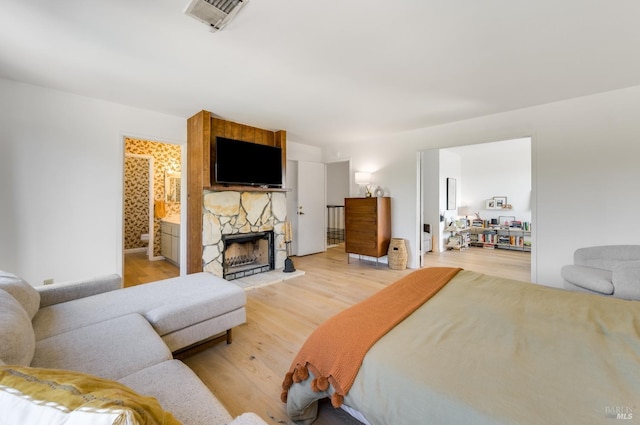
247,375
498,262
138,269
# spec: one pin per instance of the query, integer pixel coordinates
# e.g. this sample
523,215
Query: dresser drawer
354,216
362,226
363,247
368,235
362,208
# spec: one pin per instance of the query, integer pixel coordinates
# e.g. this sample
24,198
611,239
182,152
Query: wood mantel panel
198,128
236,188
202,130
268,138
260,136
218,127
233,130
248,133
280,140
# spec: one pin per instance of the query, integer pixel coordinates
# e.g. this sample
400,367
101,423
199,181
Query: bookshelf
514,236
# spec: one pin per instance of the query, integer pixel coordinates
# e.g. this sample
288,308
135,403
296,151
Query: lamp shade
363,178
465,210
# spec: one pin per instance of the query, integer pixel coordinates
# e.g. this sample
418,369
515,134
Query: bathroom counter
173,219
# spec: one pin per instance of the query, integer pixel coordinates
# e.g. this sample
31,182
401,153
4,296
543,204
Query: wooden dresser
367,226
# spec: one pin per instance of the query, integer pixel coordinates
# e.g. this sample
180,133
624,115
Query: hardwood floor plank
499,262
138,269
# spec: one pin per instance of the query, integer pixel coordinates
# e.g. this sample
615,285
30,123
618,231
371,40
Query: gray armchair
612,270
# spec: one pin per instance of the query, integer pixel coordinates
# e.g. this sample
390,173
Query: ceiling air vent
215,13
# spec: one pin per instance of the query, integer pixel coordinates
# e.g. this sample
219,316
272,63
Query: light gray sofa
125,334
612,270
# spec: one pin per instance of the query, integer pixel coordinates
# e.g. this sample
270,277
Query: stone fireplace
244,228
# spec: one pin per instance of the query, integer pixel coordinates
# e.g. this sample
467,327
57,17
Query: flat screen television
246,163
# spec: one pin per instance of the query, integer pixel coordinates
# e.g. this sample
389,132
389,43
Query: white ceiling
326,71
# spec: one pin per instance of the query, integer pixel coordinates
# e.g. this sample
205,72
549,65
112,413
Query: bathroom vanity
170,240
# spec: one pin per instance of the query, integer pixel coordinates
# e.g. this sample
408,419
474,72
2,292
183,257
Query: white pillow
21,409
17,339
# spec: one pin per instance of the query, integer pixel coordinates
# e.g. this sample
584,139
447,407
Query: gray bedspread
488,350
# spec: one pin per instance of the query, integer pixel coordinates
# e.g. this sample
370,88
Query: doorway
486,174
148,205
337,190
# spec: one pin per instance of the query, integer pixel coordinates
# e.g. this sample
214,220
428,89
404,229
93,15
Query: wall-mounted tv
246,163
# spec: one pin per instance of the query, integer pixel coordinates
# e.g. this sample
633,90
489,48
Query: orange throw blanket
336,349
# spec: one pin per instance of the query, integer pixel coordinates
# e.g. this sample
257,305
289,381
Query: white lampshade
465,210
363,178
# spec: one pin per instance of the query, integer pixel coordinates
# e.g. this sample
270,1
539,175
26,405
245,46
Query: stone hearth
234,212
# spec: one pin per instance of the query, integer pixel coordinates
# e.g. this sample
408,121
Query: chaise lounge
128,336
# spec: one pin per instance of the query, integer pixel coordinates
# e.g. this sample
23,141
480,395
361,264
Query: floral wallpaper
166,158
136,201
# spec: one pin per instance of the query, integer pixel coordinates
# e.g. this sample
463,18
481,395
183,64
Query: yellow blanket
334,351
35,395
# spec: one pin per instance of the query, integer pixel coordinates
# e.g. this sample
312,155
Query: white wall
337,182
300,152
496,169
450,167
584,153
61,168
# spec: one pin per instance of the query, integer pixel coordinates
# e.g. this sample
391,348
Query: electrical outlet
48,281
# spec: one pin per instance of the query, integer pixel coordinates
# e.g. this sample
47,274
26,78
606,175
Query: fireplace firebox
247,254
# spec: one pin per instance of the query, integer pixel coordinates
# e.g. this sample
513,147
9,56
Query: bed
476,349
